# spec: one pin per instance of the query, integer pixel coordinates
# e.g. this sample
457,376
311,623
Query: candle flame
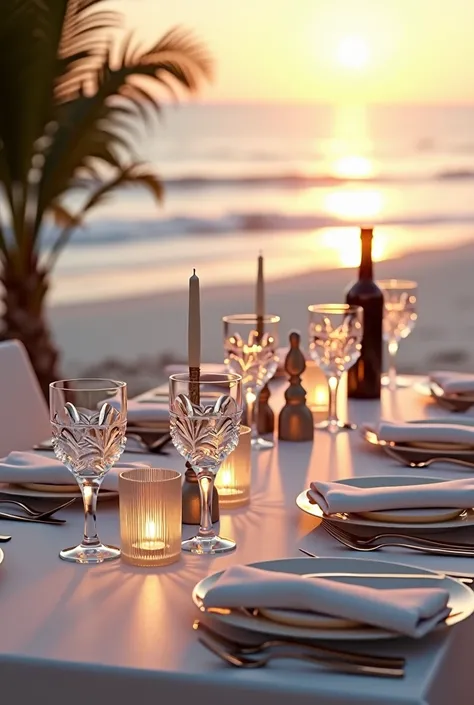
150,529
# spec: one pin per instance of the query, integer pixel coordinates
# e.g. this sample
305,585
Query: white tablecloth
112,633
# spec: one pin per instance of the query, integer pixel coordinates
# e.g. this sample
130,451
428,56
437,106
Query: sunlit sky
325,51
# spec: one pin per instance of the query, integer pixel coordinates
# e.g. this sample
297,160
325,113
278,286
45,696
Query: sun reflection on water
354,203
344,242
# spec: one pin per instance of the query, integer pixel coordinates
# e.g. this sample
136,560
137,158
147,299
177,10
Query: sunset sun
353,53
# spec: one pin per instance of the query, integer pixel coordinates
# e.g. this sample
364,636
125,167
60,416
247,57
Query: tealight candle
150,516
233,478
316,386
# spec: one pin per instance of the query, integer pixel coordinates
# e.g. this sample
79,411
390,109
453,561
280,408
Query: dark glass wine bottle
364,378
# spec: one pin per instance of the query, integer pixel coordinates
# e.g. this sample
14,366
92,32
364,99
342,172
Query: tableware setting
309,610
405,502
333,599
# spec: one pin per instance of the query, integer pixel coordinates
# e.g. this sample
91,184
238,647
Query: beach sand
145,332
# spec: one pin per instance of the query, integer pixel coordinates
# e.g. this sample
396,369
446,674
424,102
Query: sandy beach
144,332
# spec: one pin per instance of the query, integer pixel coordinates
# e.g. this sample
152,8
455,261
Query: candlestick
194,337
150,516
194,323
260,297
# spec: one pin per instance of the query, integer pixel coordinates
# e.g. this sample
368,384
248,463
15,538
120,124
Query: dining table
115,633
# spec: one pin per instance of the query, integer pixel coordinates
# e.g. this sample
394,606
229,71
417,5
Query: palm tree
68,98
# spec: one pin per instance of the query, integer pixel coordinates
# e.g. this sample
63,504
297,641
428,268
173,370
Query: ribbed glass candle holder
233,478
150,516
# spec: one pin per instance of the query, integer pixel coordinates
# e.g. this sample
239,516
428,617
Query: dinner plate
461,598
418,451
463,518
46,492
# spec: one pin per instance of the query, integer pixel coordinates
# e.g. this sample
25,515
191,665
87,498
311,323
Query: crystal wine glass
250,344
205,428
399,320
335,340
89,438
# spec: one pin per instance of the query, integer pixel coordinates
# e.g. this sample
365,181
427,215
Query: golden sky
325,51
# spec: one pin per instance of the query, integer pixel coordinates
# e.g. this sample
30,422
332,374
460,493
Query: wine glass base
261,444
401,382
208,546
90,554
335,427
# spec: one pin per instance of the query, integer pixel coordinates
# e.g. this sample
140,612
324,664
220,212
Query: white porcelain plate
461,597
369,434
431,519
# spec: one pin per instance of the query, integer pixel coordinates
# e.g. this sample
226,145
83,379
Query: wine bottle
364,378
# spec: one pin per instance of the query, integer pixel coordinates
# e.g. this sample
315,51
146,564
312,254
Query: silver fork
240,660
425,463
34,513
367,540
350,542
349,656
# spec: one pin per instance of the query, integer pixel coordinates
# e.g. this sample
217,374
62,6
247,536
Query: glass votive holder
233,478
315,384
150,516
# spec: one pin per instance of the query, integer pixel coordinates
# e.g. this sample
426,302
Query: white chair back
24,413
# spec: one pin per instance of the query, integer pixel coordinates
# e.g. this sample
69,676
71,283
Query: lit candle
233,478
315,384
194,323
150,541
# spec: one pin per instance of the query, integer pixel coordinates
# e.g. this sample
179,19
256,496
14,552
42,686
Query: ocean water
292,182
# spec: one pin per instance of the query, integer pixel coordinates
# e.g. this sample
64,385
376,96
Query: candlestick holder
150,516
233,478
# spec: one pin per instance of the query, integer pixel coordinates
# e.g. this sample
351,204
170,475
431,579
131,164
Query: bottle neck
366,270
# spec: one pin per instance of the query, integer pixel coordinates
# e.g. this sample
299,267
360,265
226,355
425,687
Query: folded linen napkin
406,432
19,467
453,382
335,497
409,611
156,413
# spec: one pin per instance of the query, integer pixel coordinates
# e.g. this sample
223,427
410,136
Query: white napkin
152,412
19,467
410,611
406,432
453,382
334,497
141,413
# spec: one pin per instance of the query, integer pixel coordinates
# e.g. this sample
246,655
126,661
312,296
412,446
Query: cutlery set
30,514
258,655
384,540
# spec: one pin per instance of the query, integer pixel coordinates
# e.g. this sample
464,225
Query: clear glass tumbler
89,419
251,350
205,426
335,340
150,516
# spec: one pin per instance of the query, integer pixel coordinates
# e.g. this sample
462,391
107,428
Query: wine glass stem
90,491
392,369
206,487
333,384
251,402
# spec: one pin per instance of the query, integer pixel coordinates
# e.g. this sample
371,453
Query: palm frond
91,125
134,175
